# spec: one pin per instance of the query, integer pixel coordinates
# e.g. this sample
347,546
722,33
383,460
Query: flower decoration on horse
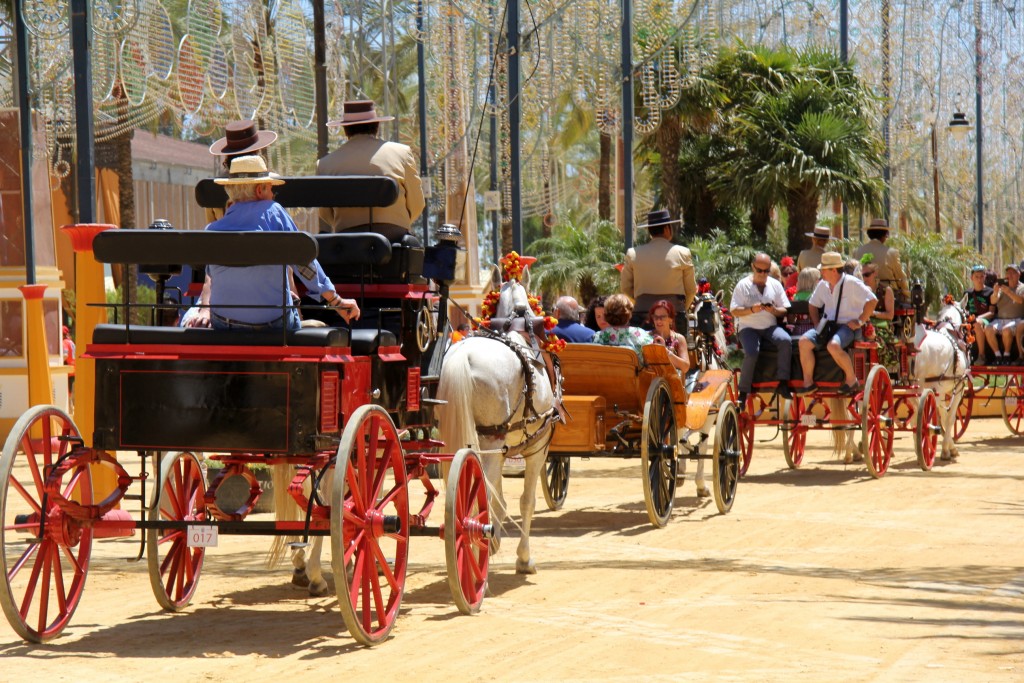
513,266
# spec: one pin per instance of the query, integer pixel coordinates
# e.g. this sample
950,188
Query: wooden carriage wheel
877,421
794,432
658,452
927,429
467,526
554,481
1013,404
725,457
370,524
174,567
43,574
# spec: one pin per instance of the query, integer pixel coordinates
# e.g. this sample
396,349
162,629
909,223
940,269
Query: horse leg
527,504
492,463
702,488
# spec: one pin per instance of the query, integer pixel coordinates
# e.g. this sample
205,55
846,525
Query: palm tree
577,260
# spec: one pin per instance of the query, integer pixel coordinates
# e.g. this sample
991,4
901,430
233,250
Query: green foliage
577,260
723,257
142,314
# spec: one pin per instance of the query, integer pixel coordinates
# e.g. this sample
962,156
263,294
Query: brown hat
249,169
658,218
831,259
359,111
241,137
821,232
879,224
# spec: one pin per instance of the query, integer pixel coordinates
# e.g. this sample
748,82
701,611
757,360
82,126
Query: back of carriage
321,400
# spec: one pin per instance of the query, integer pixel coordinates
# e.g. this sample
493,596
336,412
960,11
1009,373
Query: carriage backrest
609,371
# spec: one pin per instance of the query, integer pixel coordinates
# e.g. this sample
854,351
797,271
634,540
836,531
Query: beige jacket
809,258
890,270
368,155
659,267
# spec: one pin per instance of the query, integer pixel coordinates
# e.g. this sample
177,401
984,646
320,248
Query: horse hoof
318,589
299,578
703,492
525,567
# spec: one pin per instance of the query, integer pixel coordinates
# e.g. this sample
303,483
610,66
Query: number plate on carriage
808,420
202,536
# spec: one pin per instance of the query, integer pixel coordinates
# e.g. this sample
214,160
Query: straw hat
879,224
359,111
241,137
250,169
821,232
658,218
831,259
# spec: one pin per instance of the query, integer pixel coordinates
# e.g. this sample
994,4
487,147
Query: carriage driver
757,302
251,206
845,300
658,270
890,270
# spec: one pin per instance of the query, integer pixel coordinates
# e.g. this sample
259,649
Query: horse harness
945,327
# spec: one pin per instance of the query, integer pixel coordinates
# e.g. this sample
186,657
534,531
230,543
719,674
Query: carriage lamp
440,259
959,126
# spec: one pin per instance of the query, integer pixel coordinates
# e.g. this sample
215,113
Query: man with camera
839,307
757,302
1008,300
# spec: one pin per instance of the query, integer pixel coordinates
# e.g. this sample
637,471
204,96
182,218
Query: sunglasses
762,270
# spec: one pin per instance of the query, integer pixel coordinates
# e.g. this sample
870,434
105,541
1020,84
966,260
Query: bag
828,331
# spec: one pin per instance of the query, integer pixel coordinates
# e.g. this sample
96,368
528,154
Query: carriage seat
368,258
825,369
362,342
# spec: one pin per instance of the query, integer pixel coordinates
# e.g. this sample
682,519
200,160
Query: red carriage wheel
174,567
658,452
466,531
370,524
927,429
746,423
1013,405
45,553
877,421
725,457
794,431
963,413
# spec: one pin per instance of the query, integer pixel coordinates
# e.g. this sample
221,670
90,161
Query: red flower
869,331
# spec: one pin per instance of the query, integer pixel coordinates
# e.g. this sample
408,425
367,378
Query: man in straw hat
811,257
251,206
890,270
241,138
845,301
366,154
659,270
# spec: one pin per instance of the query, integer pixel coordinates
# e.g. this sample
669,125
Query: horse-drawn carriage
1005,383
346,412
923,396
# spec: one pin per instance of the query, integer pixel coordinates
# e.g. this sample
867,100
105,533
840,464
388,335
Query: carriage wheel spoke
29,498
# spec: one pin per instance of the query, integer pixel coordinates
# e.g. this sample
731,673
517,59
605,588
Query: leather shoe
741,400
849,389
783,389
806,389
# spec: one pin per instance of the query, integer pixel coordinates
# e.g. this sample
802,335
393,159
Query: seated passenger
757,302
979,304
594,319
618,309
663,319
848,304
882,316
1008,300
806,281
251,206
569,327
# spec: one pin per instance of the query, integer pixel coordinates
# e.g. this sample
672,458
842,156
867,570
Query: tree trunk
803,213
604,179
588,291
666,141
760,219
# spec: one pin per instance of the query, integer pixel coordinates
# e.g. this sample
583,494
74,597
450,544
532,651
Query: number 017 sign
202,536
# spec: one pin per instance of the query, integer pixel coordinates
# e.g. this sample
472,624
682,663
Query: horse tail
456,422
285,510
841,440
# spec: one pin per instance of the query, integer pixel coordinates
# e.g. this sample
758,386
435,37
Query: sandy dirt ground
820,574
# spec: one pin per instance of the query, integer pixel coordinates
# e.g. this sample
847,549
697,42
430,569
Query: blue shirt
572,331
258,285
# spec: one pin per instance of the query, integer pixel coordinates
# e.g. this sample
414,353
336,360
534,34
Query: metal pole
421,108
844,54
514,115
887,103
627,121
25,121
82,66
492,98
320,76
979,138
935,178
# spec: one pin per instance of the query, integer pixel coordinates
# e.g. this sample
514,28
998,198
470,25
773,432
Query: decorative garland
512,267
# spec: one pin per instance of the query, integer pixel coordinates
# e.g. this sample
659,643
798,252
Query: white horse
942,364
708,331
306,572
498,396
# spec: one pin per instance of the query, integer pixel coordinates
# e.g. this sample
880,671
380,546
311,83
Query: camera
1002,281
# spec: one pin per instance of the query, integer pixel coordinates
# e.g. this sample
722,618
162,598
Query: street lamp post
959,127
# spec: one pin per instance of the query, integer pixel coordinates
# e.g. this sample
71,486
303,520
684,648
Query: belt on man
249,326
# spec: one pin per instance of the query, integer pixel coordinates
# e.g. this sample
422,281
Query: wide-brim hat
831,259
355,112
242,137
248,170
659,218
820,232
879,224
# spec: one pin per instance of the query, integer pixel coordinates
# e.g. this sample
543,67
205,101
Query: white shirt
746,294
855,295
